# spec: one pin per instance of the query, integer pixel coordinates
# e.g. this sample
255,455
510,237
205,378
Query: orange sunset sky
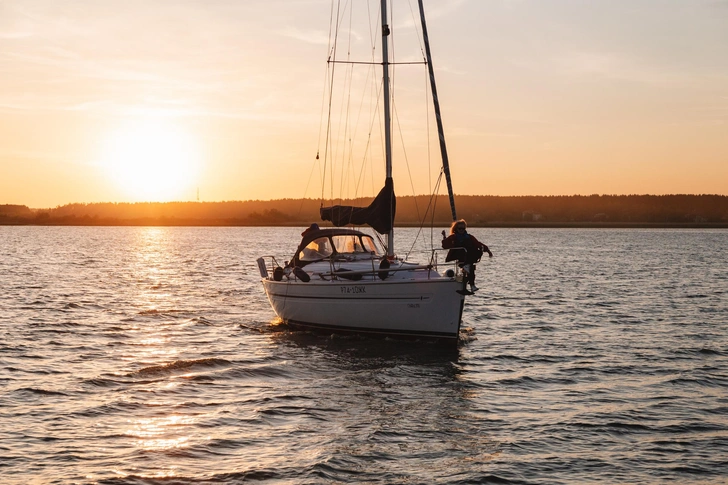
136,100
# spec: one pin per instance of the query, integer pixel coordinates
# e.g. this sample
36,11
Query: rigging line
308,183
406,158
372,40
326,71
341,106
381,240
341,146
380,122
374,63
378,111
373,32
417,31
357,183
337,148
435,196
427,130
331,94
438,116
432,202
321,122
436,188
352,126
399,126
367,148
346,145
391,89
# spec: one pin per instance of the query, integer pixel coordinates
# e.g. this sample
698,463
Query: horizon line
357,198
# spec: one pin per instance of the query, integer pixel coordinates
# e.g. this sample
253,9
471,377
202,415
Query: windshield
355,243
370,245
316,250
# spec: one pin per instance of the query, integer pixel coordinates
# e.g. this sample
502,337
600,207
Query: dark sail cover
379,214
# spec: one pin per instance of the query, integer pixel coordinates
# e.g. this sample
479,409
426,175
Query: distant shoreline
594,211
445,224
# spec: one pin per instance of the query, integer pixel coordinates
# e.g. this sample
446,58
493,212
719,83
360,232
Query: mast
387,114
436,103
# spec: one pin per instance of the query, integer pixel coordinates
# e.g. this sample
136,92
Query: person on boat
311,228
459,238
316,249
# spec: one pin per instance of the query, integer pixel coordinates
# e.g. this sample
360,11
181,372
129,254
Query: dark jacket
475,248
464,240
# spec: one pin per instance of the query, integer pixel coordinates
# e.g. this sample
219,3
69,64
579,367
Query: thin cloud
308,36
609,65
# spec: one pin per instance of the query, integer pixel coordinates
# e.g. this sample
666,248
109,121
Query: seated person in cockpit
315,250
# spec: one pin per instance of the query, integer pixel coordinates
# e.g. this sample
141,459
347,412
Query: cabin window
369,245
354,243
315,250
347,244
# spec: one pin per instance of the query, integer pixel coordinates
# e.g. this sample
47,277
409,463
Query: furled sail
379,214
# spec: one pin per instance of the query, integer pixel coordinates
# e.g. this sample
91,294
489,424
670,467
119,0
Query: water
150,356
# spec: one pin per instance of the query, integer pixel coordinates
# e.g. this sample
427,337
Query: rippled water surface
151,356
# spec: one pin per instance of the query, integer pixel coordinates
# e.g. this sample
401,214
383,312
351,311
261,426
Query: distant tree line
576,210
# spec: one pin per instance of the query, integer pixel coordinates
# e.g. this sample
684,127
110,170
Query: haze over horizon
316,200
135,101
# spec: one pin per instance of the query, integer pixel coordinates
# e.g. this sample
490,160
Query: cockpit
336,244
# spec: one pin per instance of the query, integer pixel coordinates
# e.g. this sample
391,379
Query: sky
156,100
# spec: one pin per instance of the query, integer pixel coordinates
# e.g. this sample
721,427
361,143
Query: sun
152,160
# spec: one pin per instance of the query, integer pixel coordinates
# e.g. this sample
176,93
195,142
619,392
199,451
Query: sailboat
340,279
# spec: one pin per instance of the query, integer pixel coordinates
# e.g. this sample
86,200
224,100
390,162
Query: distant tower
198,194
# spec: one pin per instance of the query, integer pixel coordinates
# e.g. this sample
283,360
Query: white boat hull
414,307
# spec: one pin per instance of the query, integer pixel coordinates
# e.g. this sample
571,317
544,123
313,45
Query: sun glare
152,160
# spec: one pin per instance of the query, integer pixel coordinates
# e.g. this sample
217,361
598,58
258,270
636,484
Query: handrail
375,271
273,261
406,266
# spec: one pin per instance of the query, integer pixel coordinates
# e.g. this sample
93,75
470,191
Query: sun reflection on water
153,332
153,269
154,433
170,473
